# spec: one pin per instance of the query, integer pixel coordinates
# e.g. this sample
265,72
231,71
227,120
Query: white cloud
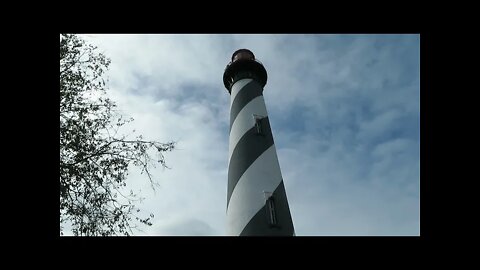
181,226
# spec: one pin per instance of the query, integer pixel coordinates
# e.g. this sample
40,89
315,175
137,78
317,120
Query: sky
344,112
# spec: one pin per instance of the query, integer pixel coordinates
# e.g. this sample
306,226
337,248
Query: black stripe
247,150
248,92
259,225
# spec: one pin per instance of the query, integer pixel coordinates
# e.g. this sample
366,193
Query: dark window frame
259,124
271,212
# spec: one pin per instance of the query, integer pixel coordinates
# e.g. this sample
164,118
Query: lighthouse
256,199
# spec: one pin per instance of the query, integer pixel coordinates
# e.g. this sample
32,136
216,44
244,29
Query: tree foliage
94,158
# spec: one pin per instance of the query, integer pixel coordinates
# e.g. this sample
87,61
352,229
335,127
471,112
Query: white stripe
237,87
245,121
247,196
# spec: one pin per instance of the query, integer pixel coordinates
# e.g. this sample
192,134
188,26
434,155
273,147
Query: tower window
259,124
270,207
271,211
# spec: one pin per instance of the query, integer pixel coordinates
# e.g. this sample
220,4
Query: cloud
182,227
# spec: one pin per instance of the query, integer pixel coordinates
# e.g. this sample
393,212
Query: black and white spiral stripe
255,184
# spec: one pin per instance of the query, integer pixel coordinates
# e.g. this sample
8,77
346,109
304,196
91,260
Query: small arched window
259,124
270,207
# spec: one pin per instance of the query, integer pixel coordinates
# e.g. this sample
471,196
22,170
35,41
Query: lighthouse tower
256,200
